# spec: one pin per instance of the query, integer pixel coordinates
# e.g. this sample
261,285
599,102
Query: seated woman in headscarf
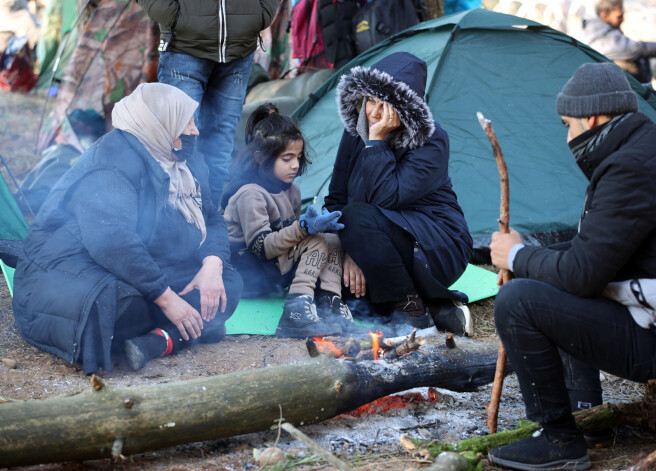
128,256
405,235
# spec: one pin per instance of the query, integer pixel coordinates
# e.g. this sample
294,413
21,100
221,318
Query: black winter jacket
219,30
120,228
616,239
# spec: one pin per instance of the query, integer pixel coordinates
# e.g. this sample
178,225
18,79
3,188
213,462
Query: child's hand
312,222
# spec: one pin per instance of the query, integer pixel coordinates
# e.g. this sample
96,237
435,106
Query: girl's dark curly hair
268,133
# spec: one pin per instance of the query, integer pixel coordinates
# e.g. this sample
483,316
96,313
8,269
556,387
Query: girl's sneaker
299,319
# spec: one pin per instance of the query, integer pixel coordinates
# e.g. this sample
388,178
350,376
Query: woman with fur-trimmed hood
405,235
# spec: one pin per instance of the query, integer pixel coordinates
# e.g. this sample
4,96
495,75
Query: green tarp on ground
261,316
511,70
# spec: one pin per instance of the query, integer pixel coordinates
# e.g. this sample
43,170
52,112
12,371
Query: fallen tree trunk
104,421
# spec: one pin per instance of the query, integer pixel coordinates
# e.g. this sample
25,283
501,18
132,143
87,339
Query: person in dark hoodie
593,298
405,236
206,50
128,255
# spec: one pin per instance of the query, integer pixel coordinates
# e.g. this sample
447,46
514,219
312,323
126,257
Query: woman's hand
388,122
353,277
181,314
209,281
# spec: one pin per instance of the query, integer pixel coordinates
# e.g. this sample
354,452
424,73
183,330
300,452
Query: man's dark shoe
411,311
452,317
332,309
541,452
299,319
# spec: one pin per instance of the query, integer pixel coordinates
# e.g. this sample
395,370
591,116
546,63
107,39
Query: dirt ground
39,376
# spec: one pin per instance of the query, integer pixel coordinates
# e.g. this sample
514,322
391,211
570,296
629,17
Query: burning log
107,421
353,349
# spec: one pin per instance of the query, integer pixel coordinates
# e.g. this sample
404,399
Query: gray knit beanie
596,89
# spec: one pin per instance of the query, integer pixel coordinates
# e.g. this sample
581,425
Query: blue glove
312,222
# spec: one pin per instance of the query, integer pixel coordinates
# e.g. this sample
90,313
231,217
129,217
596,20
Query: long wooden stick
504,228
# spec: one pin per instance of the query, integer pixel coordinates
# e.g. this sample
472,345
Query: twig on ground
316,449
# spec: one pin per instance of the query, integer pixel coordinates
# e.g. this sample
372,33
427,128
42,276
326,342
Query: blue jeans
220,89
537,322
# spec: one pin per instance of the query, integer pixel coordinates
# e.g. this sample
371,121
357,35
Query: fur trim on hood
416,118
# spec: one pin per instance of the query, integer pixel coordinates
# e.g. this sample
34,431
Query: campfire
395,401
377,347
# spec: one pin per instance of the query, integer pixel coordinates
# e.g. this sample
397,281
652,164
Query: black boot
543,451
299,319
451,317
411,311
156,343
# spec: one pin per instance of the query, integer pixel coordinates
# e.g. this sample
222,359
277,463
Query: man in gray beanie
587,303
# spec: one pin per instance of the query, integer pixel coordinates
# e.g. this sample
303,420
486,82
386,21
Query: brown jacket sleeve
255,215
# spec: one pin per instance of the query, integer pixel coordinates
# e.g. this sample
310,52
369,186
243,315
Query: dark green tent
511,70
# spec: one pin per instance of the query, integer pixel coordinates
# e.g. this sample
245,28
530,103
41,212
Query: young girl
273,246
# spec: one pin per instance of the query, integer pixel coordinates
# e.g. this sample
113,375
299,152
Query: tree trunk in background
108,421
435,8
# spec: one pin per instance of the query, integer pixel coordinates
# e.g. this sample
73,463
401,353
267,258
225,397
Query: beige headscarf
156,114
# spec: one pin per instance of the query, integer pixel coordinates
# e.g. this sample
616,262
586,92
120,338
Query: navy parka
120,229
406,176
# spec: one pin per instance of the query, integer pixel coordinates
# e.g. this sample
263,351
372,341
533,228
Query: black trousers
136,316
383,251
537,322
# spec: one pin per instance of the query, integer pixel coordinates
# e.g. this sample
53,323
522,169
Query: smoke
367,315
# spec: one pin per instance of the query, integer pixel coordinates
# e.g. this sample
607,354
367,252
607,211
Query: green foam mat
261,316
9,277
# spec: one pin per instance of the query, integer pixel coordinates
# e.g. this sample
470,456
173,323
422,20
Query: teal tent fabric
508,68
12,226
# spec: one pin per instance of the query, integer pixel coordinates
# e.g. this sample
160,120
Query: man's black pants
535,320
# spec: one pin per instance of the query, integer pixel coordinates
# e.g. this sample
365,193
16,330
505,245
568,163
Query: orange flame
433,395
324,345
375,347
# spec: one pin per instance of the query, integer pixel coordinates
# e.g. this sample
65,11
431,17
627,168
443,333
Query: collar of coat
417,124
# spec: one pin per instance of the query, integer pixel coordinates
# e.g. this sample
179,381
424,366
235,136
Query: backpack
380,19
336,20
16,66
307,40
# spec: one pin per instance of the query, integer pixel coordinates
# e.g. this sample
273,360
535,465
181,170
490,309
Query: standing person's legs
381,249
534,320
220,112
188,73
